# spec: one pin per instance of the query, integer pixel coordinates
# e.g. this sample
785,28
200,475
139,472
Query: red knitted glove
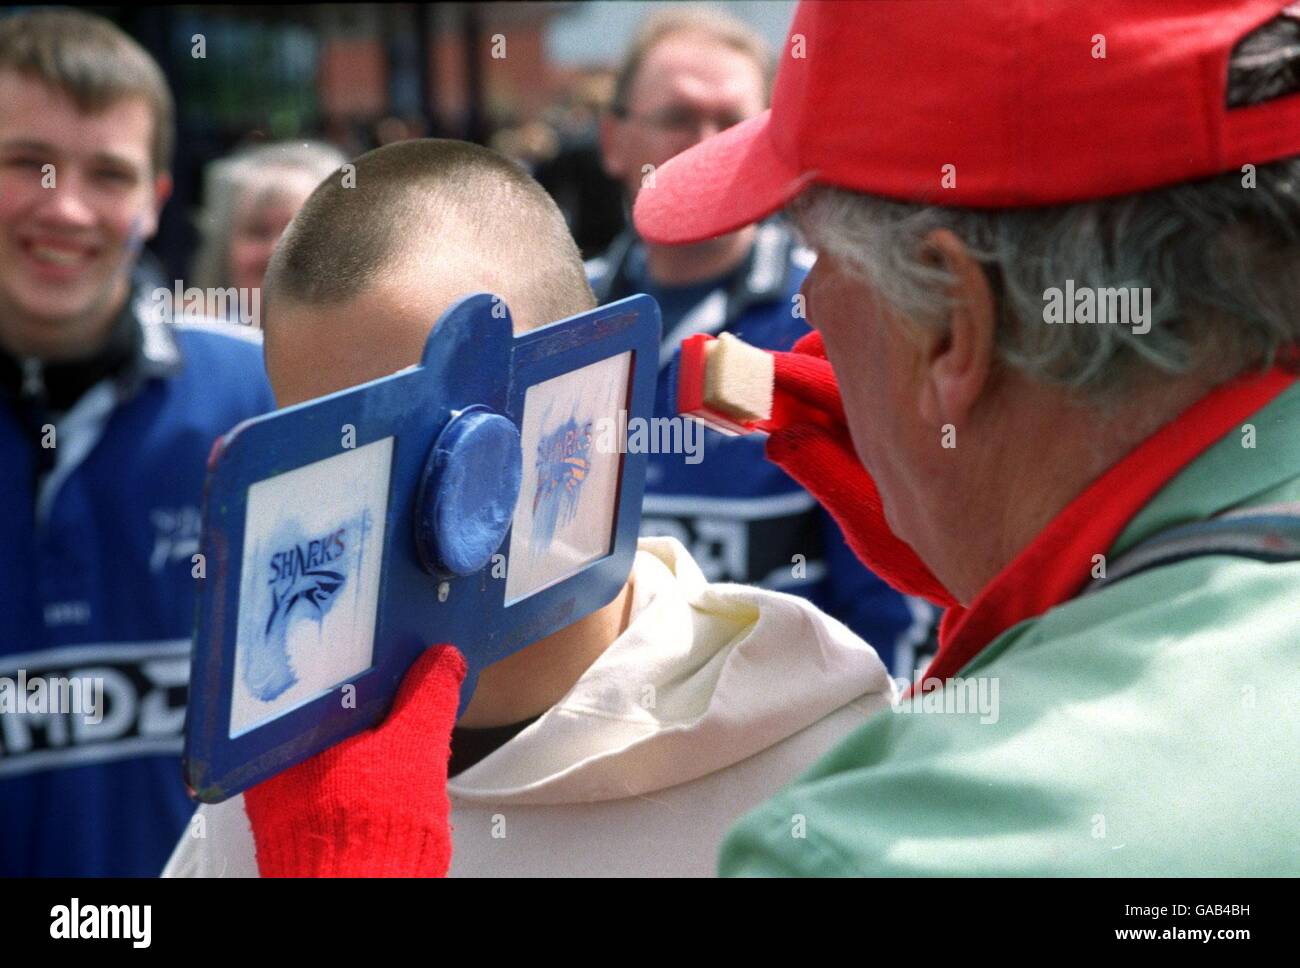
809,440
376,804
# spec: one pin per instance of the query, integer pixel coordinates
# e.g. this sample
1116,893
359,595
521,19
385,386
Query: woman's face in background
264,212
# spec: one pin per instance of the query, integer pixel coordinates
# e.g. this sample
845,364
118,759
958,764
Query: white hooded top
713,699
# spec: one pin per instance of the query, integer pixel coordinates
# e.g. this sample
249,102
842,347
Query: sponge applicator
725,383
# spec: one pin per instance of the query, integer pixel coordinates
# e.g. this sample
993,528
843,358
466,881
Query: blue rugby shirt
95,581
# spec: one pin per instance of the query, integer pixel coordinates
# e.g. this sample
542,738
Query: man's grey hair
1220,257
1222,262
228,180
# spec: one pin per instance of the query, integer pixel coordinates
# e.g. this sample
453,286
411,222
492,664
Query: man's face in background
688,87
69,234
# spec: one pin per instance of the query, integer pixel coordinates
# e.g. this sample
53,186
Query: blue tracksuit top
96,585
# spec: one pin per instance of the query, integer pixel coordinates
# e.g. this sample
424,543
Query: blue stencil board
481,498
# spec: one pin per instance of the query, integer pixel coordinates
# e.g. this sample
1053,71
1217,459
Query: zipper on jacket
34,400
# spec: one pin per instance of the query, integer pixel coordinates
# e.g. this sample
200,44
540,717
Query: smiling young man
107,414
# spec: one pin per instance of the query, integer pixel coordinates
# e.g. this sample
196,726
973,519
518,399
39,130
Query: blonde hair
227,181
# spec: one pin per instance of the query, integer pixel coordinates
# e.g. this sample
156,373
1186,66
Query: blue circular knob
468,493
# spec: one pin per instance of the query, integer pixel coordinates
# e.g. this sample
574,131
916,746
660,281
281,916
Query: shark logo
317,591
563,461
304,579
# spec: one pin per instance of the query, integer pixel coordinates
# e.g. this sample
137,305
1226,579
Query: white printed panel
569,496
309,588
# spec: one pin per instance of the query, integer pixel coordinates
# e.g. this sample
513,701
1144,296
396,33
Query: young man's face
688,87
69,233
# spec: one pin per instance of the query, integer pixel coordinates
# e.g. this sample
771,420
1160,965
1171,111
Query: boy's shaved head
376,254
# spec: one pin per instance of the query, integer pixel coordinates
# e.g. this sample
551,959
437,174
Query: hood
704,676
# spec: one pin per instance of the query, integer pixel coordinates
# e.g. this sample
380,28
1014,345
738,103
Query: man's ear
611,146
162,190
957,360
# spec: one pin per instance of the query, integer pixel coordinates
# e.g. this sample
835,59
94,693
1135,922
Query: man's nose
66,201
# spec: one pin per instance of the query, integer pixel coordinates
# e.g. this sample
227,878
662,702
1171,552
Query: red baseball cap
1031,102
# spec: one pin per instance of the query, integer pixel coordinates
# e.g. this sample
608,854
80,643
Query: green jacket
1150,728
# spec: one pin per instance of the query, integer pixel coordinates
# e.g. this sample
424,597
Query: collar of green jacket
1131,501
1255,465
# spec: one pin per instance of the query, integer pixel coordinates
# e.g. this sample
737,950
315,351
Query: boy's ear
956,360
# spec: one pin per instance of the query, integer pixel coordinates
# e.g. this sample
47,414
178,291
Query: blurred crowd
249,195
